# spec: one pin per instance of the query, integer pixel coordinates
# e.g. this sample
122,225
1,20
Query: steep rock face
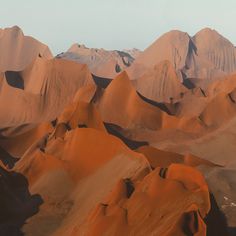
151,202
102,63
49,85
120,104
197,60
172,46
205,55
88,182
214,56
160,83
18,50
88,162
217,49
134,52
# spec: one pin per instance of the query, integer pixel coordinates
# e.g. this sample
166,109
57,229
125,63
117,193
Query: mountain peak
208,34
15,28
207,30
174,34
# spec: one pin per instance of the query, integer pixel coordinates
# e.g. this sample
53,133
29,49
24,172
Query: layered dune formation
149,151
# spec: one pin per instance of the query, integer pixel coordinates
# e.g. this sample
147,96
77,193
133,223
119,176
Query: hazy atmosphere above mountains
113,24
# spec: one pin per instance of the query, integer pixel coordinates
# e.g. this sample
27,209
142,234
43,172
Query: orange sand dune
220,94
149,206
88,163
126,108
78,114
131,112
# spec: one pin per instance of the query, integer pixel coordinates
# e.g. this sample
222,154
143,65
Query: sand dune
84,170
131,203
127,109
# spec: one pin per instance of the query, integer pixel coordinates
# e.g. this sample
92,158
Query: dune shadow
114,130
216,221
101,82
7,159
232,231
161,106
16,202
187,82
14,79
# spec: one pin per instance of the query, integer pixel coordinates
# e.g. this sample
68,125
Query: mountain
18,50
172,46
148,149
196,60
40,91
127,109
134,52
161,83
101,62
207,54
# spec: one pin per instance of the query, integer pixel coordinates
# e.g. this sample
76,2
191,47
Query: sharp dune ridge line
96,142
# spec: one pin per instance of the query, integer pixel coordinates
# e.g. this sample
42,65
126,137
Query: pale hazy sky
115,24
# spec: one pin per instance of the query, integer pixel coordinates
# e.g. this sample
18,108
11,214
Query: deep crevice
216,221
82,126
7,159
129,187
163,172
190,223
161,106
114,130
14,79
16,202
101,82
